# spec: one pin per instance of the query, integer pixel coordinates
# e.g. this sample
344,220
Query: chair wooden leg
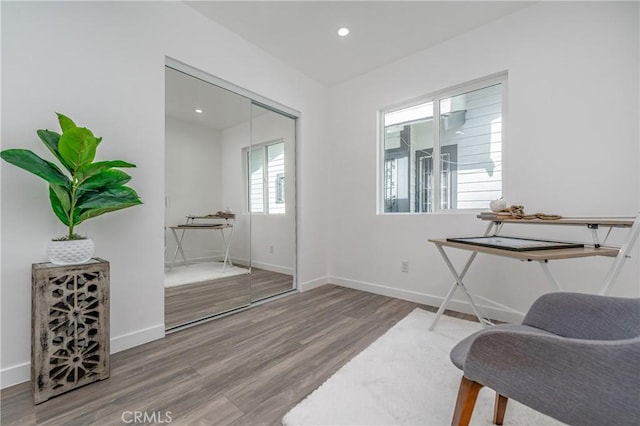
467,395
499,408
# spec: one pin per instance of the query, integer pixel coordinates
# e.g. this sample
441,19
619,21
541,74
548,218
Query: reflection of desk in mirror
194,223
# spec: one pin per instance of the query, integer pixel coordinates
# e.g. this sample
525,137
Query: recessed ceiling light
199,111
343,31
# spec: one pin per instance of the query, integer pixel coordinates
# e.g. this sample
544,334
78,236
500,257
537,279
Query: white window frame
435,97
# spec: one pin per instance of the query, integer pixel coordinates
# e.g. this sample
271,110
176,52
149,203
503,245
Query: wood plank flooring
248,368
187,303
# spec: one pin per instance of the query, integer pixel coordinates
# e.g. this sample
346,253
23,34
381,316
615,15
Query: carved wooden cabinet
69,326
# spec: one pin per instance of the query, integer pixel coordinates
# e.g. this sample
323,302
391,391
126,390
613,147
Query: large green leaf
108,197
96,204
63,194
50,140
65,122
109,178
30,162
88,214
99,166
77,146
58,202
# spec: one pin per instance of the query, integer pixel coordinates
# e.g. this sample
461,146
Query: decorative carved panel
70,326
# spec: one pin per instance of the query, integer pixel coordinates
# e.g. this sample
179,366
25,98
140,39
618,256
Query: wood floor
187,303
249,368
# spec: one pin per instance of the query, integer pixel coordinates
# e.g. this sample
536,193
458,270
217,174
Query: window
463,130
265,166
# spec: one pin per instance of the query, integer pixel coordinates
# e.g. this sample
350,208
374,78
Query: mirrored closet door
271,194
230,200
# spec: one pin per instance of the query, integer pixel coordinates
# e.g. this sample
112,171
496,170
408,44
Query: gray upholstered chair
575,357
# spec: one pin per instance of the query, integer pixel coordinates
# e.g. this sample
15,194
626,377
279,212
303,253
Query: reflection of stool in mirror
191,223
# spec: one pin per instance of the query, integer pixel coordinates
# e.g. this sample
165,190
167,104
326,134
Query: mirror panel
207,255
271,202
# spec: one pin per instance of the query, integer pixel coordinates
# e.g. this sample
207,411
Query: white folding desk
542,257
191,225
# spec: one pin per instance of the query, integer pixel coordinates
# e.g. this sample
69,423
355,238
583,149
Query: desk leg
552,280
227,245
443,306
229,248
178,248
457,284
459,278
621,258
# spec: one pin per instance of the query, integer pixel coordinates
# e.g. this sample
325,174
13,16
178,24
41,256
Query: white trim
425,299
435,160
315,283
22,372
15,374
137,338
273,268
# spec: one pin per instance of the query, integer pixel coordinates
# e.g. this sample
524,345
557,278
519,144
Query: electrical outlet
404,266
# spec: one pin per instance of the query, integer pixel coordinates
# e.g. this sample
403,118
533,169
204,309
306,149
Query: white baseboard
310,285
15,374
273,268
22,372
426,299
287,270
137,338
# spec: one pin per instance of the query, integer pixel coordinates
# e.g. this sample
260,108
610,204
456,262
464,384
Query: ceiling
303,34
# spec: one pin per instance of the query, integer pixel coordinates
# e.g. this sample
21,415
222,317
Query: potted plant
87,190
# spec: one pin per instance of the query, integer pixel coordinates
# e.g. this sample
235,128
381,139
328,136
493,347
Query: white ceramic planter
71,252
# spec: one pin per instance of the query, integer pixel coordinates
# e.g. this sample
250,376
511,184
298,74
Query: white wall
572,148
102,63
193,184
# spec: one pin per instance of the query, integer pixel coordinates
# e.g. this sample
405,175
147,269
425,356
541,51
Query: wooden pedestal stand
69,326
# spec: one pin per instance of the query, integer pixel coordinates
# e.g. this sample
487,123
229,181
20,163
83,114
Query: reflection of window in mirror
280,188
265,178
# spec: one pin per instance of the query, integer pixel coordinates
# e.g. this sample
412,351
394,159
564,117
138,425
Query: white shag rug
199,272
404,378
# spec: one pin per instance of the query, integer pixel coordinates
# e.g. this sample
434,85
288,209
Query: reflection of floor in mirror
200,272
266,283
187,303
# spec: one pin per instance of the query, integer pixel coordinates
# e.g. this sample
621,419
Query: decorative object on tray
498,205
515,212
87,190
226,214
69,327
